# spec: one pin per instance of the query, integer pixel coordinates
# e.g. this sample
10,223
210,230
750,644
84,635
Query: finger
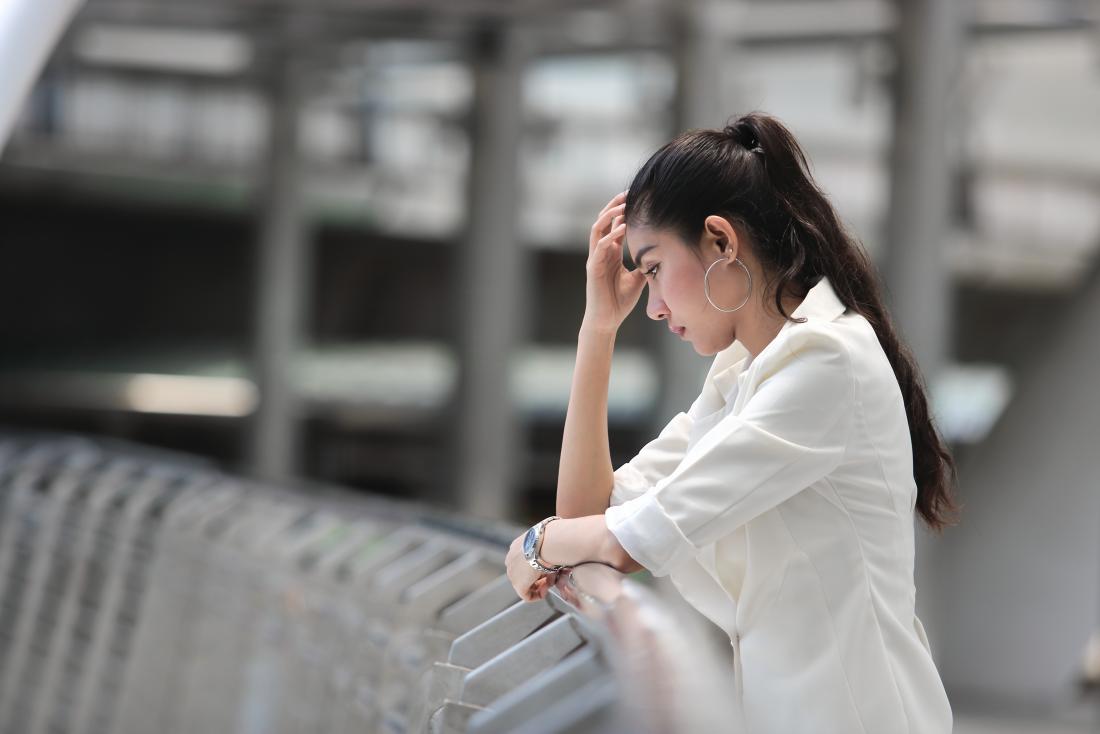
606,218
612,236
614,212
602,230
602,225
614,232
612,242
619,197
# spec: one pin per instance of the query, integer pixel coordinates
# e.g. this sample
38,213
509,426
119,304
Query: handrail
143,591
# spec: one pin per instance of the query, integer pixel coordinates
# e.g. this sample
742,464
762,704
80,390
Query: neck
760,325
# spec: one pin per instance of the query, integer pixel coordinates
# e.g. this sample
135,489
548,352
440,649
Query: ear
720,238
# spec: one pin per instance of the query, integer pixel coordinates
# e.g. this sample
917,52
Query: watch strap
534,560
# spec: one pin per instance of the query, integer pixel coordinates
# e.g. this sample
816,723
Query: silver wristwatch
532,544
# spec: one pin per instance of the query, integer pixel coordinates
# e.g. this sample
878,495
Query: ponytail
754,173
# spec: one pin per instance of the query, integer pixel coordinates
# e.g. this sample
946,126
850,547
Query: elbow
629,565
618,558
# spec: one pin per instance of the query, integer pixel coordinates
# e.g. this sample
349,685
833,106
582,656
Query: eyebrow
642,251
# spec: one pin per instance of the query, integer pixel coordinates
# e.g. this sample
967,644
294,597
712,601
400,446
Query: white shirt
781,506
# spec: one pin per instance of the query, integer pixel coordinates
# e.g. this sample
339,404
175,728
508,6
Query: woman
781,503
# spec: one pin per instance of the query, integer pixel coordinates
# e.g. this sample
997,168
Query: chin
709,350
704,350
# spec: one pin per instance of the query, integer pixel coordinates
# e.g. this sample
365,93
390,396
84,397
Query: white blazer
781,506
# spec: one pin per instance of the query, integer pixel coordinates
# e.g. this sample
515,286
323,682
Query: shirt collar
821,303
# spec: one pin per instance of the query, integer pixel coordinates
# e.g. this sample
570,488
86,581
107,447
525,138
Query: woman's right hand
611,291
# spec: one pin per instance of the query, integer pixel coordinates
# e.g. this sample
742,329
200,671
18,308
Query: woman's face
674,279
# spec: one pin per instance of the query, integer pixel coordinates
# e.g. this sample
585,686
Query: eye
652,271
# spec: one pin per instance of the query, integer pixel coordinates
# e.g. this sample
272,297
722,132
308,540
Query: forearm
571,541
585,473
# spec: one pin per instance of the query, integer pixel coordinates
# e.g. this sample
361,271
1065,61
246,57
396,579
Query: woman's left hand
530,584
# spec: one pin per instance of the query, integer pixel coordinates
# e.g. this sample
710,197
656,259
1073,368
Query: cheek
683,293
678,287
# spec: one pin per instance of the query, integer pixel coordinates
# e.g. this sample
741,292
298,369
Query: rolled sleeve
792,431
648,534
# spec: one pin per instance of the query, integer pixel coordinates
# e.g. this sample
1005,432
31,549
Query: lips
678,330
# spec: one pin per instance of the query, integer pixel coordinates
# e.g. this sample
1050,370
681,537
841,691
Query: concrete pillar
927,137
1020,575
493,285
930,45
282,281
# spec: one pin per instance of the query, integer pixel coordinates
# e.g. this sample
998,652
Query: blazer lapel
728,368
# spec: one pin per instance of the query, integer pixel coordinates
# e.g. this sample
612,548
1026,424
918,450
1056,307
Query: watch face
529,543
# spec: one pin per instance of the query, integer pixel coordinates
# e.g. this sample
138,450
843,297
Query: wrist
598,330
533,543
540,552
570,541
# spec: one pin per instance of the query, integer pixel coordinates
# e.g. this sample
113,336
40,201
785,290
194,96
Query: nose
655,307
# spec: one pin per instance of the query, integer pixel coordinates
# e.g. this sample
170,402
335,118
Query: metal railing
143,591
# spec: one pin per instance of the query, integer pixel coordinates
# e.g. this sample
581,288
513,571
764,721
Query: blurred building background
346,239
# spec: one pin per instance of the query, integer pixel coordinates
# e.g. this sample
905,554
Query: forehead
642,243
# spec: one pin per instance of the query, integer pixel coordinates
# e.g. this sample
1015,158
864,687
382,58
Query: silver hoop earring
706,285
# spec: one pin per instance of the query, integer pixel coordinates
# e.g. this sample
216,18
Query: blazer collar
821,303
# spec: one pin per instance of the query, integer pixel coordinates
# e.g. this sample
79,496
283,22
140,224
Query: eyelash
652,271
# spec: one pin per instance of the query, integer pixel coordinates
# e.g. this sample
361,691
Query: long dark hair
754,173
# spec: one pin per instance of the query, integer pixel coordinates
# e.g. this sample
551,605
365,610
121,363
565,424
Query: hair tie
744,136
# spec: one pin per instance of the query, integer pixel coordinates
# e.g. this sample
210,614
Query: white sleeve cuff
629,483
648,534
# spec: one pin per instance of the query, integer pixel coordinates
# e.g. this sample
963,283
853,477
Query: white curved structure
29,30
